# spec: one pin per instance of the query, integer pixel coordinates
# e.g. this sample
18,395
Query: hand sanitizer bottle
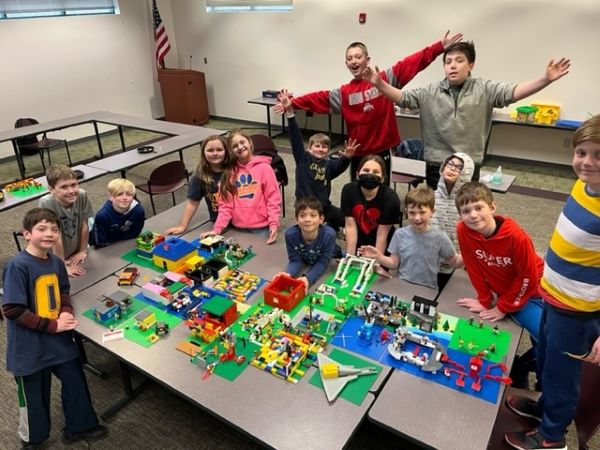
497,177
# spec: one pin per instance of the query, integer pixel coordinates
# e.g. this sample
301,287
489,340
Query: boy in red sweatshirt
369,116
501,263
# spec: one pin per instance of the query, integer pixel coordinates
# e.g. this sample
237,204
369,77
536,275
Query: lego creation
366,267
287,355
165,289
128,276
145,243
357,389
391,332
234,284
211,243
172,253
335,376
284,292
24,188
114,309
149,325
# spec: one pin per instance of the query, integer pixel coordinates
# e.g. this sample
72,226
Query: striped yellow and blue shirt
572,267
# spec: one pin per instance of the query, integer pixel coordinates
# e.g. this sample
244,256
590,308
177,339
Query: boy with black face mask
371,208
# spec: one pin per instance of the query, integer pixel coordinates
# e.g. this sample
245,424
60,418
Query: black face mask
369,180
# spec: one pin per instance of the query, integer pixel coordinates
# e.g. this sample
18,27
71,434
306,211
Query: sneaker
524,407
89,435
532,440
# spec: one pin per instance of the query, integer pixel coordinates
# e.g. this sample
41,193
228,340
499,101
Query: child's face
43,236
373,167
479,216
452,170
586,164
419,217
457,68
214,152
309,220
65,192
356,61
241,148
121,201
319,150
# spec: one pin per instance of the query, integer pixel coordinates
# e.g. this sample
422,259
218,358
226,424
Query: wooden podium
184,96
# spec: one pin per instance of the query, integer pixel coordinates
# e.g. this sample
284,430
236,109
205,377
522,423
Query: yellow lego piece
329,370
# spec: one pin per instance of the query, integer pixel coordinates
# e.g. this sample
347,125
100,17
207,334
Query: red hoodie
257,202
369,115
504,264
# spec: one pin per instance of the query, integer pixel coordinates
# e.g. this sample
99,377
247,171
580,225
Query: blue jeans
530,316
561,374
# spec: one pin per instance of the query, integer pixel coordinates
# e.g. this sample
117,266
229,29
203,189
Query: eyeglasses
454,166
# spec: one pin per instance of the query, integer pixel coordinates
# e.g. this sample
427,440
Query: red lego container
284,292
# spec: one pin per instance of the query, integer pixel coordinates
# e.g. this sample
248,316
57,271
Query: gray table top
503,187
10,201
103,262
434,414
49,126
297,413
126,160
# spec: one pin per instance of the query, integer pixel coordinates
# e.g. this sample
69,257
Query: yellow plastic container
526,114
546,114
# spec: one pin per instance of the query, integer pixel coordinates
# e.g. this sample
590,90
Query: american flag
161,40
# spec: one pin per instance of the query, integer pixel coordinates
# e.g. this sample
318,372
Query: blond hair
120,185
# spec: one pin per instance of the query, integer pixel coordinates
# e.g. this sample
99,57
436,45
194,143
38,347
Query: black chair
16,236
31,145
165,179
263,145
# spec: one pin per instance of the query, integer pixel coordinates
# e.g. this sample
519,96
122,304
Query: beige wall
64,66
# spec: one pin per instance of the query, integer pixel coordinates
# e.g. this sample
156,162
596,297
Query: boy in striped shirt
570,325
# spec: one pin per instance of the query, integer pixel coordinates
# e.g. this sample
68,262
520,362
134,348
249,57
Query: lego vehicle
161,328
128,276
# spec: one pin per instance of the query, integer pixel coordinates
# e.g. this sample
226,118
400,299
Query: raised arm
372,76
190,209
554,71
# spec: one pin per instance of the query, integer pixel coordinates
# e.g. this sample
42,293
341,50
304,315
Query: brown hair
359,45
37,215
57,172
379,160
419,197
473,191
308,203
319,138
588,131
467,48
204,171
228,178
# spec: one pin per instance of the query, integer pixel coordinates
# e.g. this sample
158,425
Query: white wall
60,67
57,67
304,50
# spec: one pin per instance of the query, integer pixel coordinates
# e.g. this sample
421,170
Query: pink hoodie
257,203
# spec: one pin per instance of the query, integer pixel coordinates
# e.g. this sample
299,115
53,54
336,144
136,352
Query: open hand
351,146
285,99
175,230
557,69
472,304
278,108
447,40
493,315
372,76
75,270
77,259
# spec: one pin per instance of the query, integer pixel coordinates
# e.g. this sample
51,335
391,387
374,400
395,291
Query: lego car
128,276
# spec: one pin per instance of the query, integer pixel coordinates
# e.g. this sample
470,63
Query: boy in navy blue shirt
40,339
309,242
121,217
314,170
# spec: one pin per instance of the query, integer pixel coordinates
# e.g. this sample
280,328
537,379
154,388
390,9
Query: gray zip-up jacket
461,124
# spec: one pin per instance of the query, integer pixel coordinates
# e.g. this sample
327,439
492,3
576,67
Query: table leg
269,122
98,139
86,365
122,138
130,393
19,157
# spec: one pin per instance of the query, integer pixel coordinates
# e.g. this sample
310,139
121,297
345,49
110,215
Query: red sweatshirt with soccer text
505,264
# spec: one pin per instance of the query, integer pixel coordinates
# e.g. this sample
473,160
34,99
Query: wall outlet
205,60
567,142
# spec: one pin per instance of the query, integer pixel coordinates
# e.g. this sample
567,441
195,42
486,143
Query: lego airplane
335,376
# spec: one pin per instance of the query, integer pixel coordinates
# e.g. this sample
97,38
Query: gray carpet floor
159,418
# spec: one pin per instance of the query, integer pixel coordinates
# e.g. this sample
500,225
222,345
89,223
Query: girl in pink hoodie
250,196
